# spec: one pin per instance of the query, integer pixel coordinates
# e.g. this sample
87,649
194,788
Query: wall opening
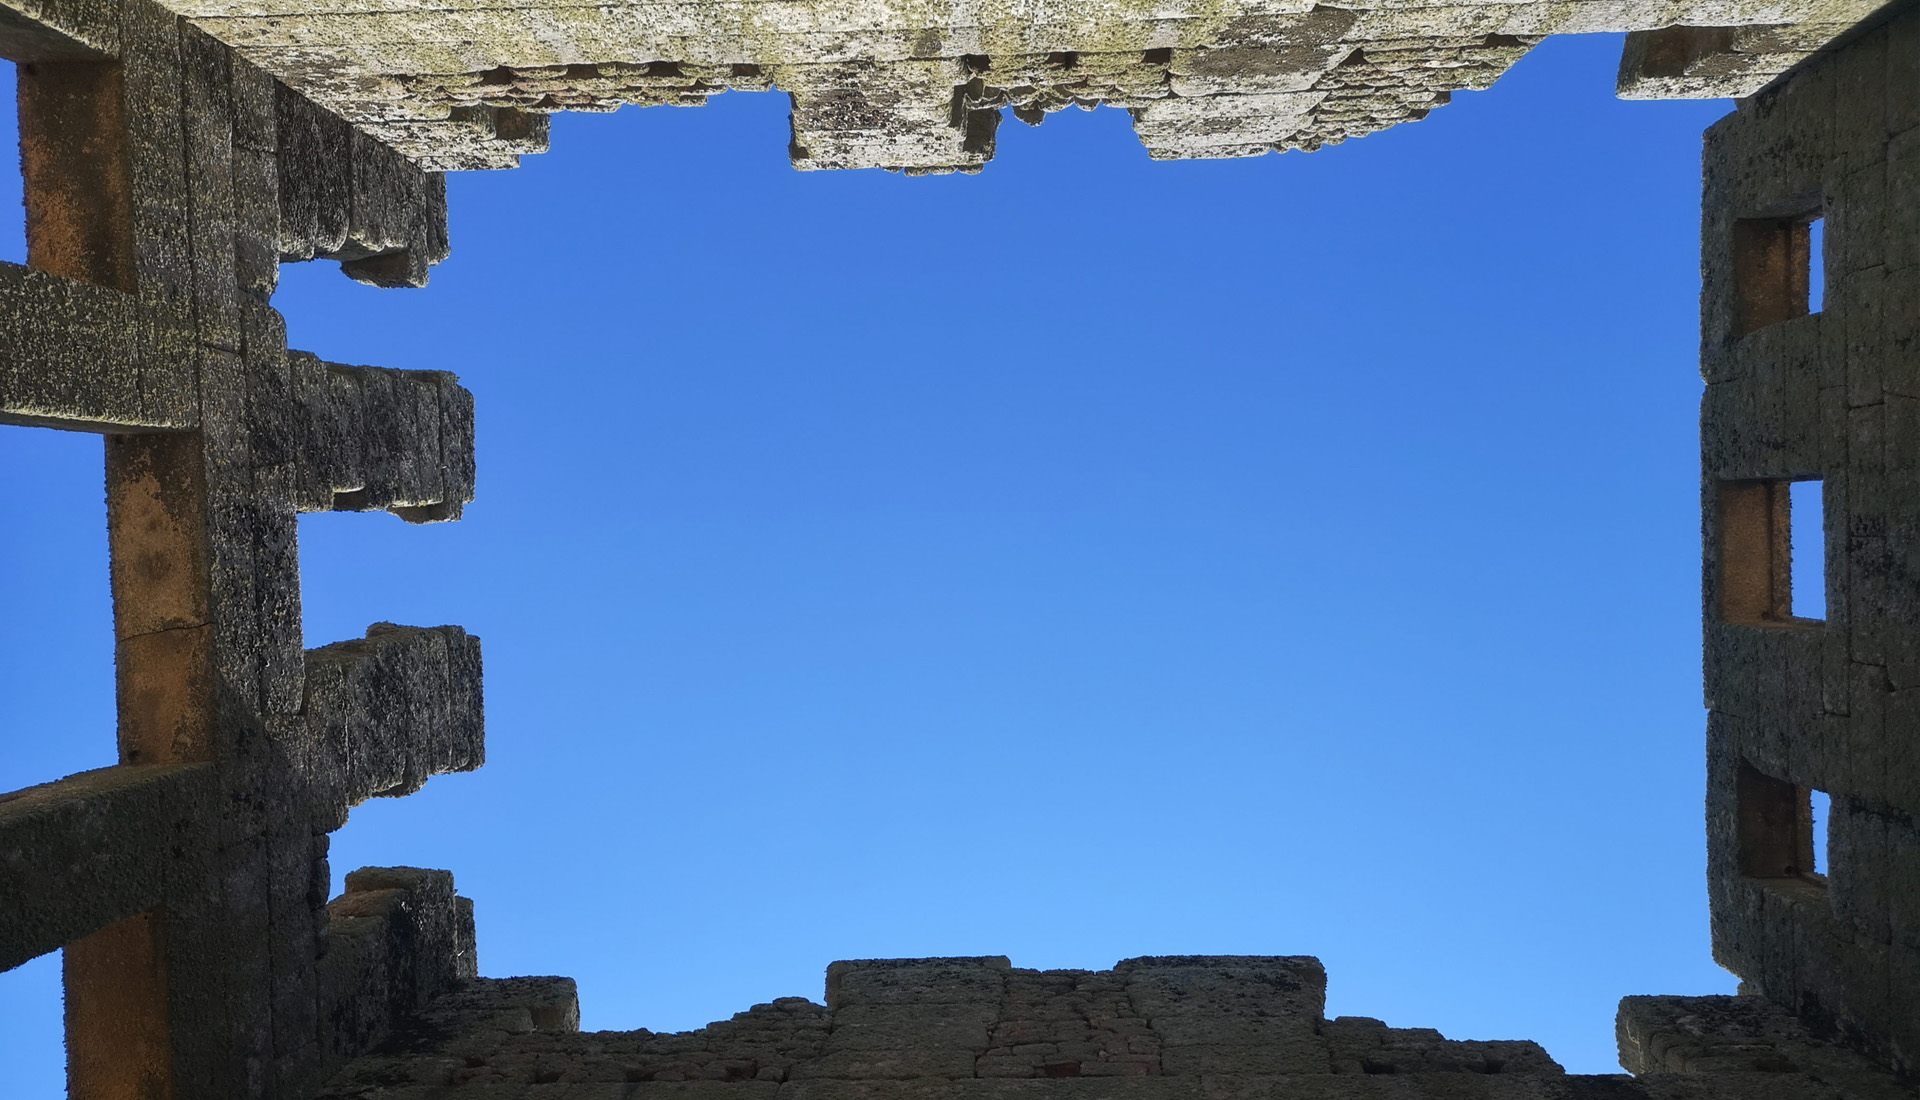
13,228
32,1029
1822,806
1816,265
1807,550
1773,269
1775,827
57,688
1755,553
1760,529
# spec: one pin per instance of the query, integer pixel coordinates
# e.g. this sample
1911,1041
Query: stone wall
1176,1028
1800,704
166,177
919,86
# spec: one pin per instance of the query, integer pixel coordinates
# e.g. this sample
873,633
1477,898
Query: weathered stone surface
367,439
1800,704
913,1019
187,885
91,849
67,356
346,197
1738,1035
920,87
397,938
386,712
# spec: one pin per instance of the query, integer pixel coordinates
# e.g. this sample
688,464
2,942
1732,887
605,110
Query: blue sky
1086,559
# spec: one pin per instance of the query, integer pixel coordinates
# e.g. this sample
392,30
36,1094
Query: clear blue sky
1087,559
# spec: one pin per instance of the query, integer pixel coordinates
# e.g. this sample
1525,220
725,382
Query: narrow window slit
1816,265
13,230
1822,809
1807,549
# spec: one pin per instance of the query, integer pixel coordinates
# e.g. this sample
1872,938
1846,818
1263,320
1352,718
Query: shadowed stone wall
166,177
1175,1028
1802,704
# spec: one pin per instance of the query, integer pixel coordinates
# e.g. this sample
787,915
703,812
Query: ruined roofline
456,85
1150,1028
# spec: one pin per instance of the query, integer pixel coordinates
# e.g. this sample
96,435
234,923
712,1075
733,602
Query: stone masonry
166,178
920,86
1800,704
173,158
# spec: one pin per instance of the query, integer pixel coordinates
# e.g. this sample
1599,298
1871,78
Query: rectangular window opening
1807,549
1822,805
1767,527
57,711
1776,825
13,229
66,123
1816,265
1776,267
33,1029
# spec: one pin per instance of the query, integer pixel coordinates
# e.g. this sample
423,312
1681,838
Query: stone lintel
81,853
69,359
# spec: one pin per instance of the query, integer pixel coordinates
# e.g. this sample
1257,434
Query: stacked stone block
1178,1028
890,1023
455,83
166,177
1742,1036
1796,704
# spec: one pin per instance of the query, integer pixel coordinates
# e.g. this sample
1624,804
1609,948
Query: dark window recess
1776,827
1758,530
1775,261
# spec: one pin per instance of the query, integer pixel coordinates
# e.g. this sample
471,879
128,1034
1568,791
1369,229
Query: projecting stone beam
386,712
1695,62
370,440
36,30
396,939
91,849
347,197
68,359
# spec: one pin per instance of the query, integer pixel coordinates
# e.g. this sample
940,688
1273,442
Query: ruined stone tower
175,153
